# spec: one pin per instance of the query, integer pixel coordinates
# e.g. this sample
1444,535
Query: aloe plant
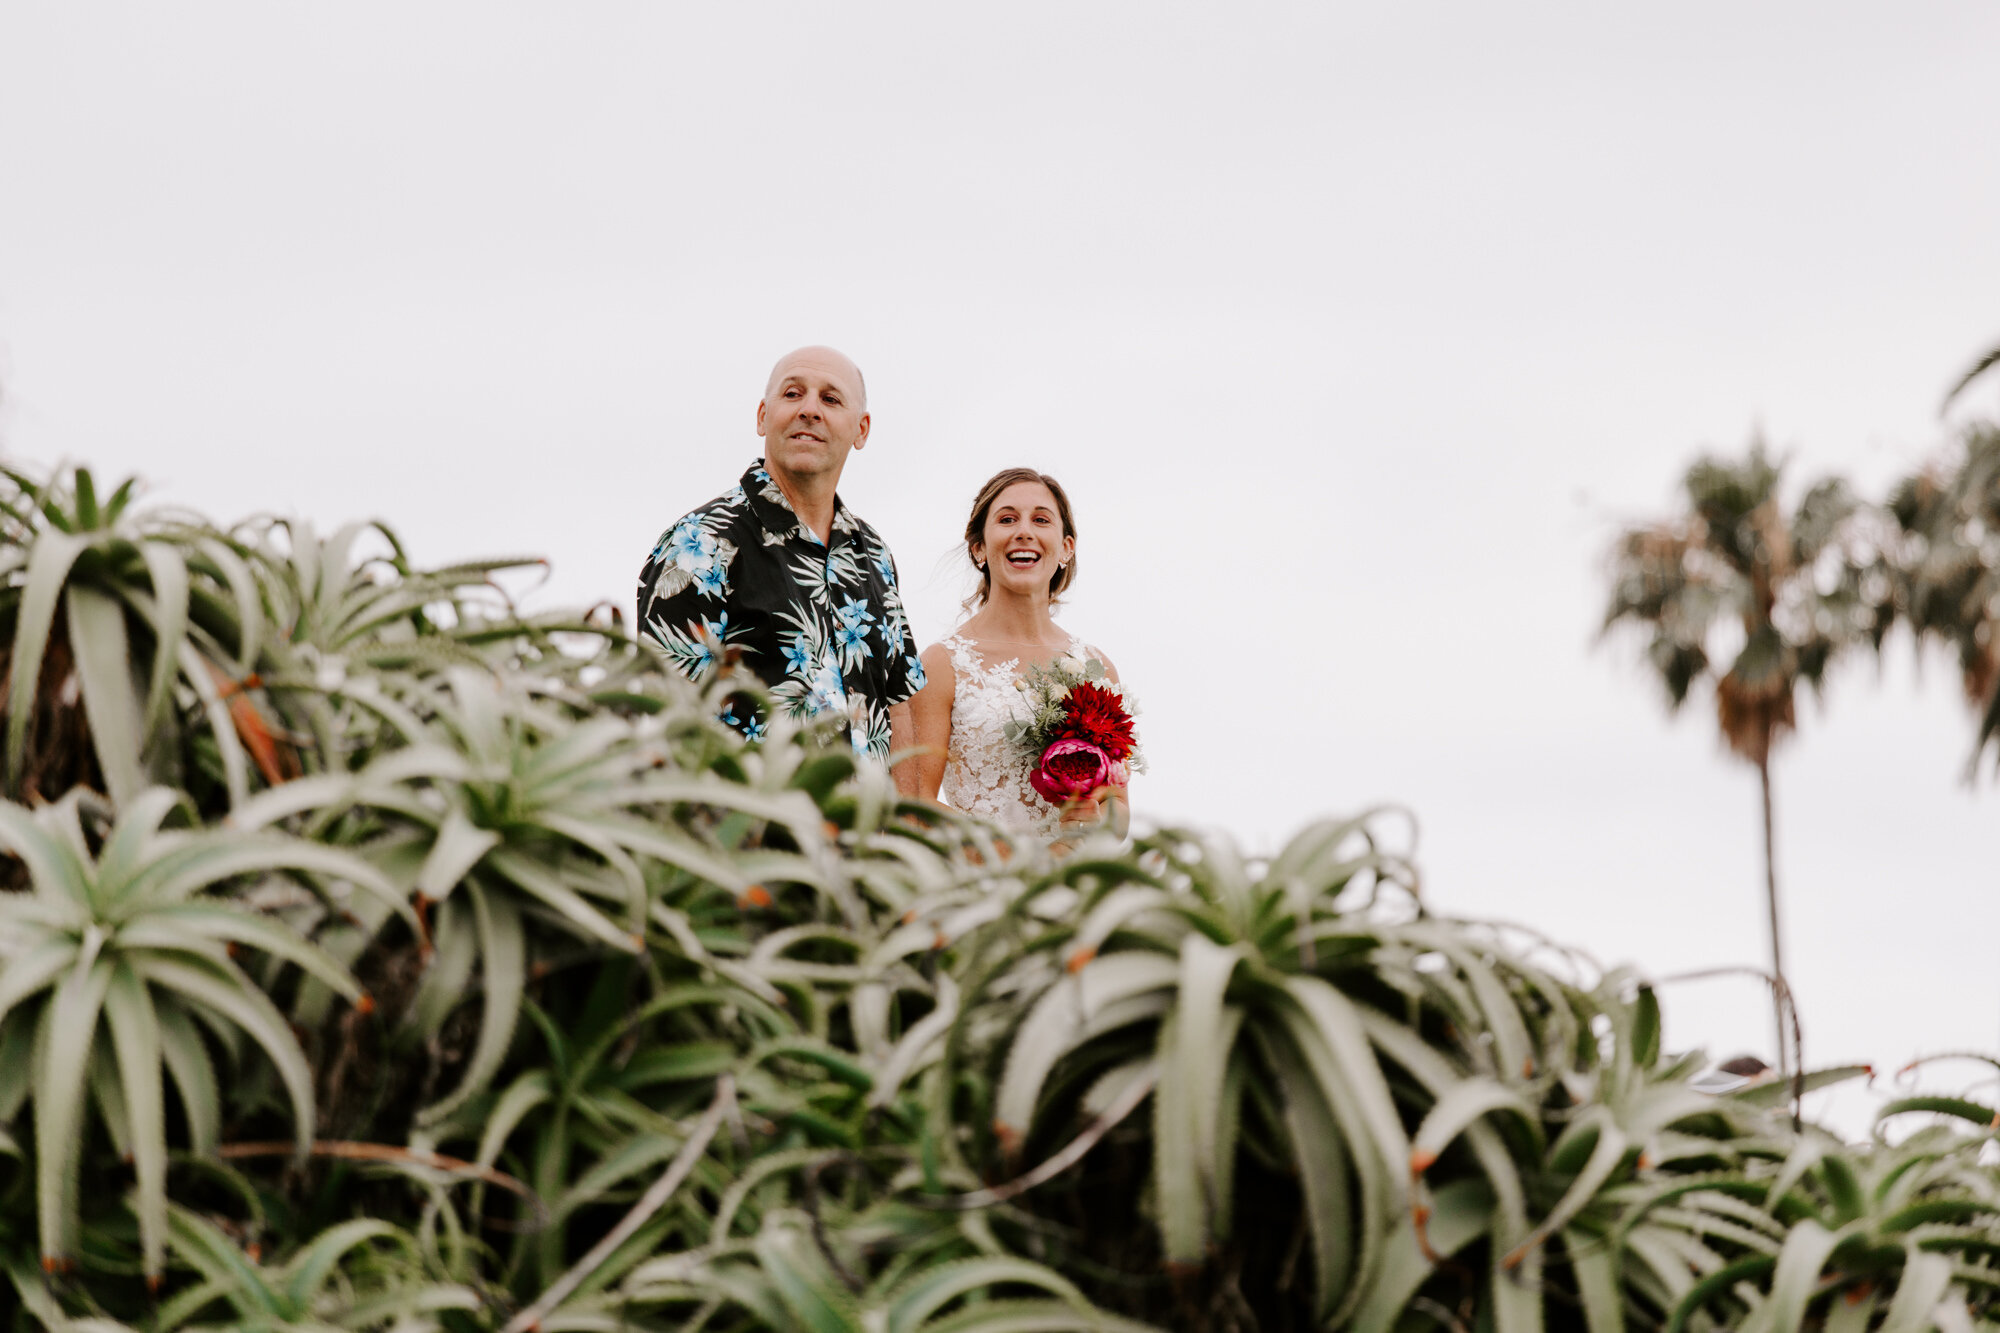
510,804
359,1274
1899,1235
681,1031
788,1279
344,607
1217,965
135,606
114,964
331,601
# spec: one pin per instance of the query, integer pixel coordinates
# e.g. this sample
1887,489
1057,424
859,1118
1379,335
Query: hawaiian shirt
821,623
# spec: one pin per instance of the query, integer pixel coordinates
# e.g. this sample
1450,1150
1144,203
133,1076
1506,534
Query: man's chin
806,459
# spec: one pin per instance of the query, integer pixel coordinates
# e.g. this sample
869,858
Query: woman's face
1023,543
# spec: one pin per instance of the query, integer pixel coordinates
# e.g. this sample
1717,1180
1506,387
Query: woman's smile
1023,533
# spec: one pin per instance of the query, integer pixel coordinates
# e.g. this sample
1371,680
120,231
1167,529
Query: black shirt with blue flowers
821,623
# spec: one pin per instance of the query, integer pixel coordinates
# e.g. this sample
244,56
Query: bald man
782,571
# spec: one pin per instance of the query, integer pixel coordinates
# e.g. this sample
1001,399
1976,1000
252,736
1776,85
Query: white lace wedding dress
983,774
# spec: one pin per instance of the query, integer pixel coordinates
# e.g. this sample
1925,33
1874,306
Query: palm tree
1948,566
1986,362
1799,588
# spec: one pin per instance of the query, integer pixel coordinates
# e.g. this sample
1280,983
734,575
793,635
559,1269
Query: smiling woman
1021,537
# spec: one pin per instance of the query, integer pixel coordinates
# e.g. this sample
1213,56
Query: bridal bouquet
1079,735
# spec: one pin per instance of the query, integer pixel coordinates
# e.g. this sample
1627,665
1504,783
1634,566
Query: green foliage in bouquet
1073,698
398,961
1045,684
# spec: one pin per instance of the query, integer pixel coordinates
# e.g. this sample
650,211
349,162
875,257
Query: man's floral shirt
822,624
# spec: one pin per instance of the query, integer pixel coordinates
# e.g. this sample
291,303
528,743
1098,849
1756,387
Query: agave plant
1465,1127
952,1079
1220,987
607,1107
793,1277
517,805
135,607
361,1274
340,616
332,602
1906,1234
114,964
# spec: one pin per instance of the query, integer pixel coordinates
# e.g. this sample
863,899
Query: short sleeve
677,608
903,670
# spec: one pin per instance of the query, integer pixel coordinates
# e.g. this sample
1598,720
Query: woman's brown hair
982,508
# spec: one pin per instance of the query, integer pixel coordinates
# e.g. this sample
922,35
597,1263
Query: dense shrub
373,956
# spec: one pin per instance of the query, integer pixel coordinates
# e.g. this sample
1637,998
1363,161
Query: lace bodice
983,774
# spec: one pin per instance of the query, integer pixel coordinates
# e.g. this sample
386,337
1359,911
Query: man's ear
760,416
861,437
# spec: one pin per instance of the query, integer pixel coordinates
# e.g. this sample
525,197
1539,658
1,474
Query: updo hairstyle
982,509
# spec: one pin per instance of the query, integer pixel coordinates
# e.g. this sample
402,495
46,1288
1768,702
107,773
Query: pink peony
1070,770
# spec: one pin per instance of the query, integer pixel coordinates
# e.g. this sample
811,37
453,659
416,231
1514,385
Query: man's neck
811,498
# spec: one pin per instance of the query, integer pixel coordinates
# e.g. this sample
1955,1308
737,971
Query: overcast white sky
1353,331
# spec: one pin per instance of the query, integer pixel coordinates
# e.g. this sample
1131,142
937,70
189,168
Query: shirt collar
780,520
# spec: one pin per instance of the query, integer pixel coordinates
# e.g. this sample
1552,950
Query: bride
1022,539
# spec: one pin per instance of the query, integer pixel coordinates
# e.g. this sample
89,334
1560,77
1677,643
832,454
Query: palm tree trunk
1771,901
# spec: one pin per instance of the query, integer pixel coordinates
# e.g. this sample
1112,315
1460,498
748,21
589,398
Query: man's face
812,414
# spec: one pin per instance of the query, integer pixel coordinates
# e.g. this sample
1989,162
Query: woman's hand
1092,809
1082,810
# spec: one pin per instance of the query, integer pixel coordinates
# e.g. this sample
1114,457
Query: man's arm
672,616
902,737
905,677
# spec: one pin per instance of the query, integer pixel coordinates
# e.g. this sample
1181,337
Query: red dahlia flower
1094,714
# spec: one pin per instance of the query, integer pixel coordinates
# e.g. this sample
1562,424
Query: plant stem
1128,1102
649,1203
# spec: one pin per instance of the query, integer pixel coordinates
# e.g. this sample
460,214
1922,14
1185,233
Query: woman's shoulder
961,645
937,659
957,641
